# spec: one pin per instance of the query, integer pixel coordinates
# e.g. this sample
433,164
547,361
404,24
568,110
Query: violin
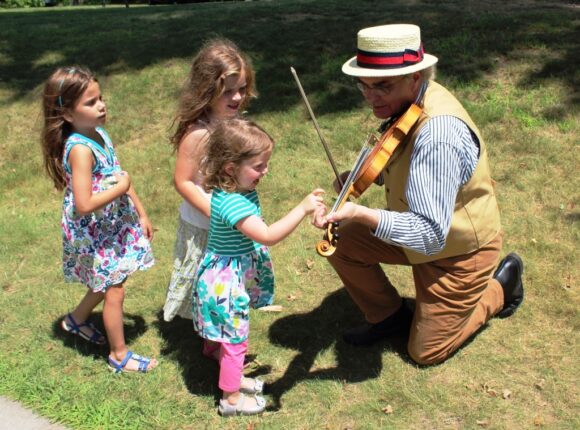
367,168
368,165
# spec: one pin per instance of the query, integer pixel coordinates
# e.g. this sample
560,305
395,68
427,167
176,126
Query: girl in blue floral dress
235,272
106,231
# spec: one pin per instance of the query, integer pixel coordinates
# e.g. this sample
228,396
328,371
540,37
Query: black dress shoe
509,275
367,334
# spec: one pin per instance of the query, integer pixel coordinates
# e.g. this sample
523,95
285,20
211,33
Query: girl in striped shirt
235,272
220,85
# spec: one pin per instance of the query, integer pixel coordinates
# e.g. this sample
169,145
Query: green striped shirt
226,210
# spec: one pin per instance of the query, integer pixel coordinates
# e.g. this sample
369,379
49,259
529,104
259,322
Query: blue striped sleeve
444,158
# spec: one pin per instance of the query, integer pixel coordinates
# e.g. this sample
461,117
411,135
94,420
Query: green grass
515,67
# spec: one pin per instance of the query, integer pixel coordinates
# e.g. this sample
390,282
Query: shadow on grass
128,40
310,333
320,329
200,374
316,331
134,326
183,345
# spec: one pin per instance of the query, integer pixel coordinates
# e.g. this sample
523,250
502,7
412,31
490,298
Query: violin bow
362,155
317,127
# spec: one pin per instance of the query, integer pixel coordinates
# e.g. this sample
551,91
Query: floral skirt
225,288
103,248
189,247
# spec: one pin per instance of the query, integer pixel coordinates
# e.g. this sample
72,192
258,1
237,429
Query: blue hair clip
70,72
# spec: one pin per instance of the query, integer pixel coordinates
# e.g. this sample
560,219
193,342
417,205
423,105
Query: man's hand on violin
320,219
350,212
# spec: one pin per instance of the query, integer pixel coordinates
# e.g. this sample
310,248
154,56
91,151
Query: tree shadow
125,40
316,331
134,326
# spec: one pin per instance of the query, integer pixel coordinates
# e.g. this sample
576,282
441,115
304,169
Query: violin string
351,176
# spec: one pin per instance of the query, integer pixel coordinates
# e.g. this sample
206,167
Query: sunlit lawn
515,67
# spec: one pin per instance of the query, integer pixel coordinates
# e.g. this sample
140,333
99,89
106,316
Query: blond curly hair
232,141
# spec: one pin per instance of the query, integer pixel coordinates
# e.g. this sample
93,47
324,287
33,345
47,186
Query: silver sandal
257,388
225,409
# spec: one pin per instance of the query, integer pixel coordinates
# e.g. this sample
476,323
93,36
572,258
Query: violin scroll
327,245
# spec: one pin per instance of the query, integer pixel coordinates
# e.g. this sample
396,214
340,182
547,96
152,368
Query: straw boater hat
388,50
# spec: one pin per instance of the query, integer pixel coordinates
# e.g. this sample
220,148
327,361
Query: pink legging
231,361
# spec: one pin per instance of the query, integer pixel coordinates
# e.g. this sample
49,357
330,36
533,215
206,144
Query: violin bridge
371,140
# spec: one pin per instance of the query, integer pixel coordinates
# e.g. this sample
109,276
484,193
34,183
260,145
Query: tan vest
475,219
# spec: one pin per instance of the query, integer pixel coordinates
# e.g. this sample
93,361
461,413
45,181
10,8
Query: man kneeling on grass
441,217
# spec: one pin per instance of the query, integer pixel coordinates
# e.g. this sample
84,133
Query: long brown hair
216,60
233,140
62,90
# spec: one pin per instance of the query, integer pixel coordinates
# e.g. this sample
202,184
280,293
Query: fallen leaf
489,390
252,363
540,384
538,421
9,288
452,421
387,409
482,423
271,308
568,284
309,263
506,394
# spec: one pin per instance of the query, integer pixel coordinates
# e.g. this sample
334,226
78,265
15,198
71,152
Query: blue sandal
119,367
73,327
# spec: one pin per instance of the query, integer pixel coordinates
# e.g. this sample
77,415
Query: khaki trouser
454,296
